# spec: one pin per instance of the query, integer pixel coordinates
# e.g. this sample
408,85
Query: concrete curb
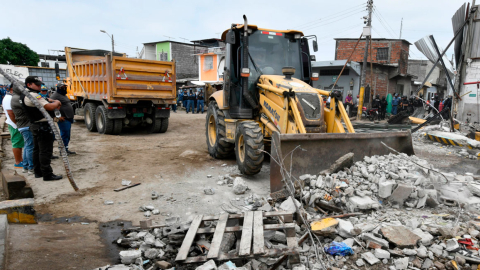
3,241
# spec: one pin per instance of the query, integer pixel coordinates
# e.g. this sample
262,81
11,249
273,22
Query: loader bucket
317,151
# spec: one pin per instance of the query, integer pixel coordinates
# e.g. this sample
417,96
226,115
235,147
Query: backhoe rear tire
249,147
89,114
218,147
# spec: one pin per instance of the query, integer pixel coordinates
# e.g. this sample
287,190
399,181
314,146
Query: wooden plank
228,256
258,240
218,237
125,187
187,242
266,227
246,241
240,216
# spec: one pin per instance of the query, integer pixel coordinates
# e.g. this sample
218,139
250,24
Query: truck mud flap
311,153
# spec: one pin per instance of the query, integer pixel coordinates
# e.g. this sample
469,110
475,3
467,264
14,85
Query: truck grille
310,104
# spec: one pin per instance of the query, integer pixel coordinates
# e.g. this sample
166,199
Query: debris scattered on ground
126,187
384,212
126,182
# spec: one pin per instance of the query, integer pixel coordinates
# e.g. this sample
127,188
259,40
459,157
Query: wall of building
47,74
469,106
206,74
19,73
163,47
398,49
149,52
185,59
343,83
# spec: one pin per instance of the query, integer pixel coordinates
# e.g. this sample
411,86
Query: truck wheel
156,125
117,126
218,147
248,146
164,127
104,124
89,113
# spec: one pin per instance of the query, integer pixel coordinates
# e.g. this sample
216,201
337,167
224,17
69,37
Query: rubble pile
384,212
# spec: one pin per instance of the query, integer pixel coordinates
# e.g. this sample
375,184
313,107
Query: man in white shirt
15,135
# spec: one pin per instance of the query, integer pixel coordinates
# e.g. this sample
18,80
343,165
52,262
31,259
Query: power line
342,18
392,35
380,14
324,18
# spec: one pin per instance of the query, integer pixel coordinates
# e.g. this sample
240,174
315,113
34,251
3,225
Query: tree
15,53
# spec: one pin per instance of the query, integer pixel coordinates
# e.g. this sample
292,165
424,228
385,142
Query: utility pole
367,34
401,26
113,49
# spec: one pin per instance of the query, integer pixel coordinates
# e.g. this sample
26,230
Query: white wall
468,107
19,73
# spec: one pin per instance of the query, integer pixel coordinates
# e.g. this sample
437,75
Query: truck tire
89,114
155,126
249,147
104,124
218,147
117,126
164,127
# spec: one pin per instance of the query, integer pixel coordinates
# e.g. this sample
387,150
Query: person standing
376,102
66,120
191,98
395,103
23,125
43,136
383,108
200,102
15,135
349,104
185,99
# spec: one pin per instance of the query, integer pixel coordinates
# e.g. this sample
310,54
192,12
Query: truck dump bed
94,75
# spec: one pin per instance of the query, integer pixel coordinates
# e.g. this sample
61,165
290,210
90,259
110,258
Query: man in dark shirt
23,125
66,120
200,101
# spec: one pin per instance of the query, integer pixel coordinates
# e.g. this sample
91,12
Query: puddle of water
110,232
62,220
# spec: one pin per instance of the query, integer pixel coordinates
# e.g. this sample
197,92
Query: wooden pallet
251,232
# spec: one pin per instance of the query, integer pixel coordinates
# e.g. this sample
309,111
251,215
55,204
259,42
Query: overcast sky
54,24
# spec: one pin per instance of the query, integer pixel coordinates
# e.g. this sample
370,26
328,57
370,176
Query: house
436,83
328,72
387,64
183,53
211,60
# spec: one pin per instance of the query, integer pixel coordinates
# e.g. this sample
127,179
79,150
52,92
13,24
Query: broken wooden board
130,186
252,243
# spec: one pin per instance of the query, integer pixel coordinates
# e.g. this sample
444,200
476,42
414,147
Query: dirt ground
175,164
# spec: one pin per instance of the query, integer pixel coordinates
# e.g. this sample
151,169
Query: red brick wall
345,48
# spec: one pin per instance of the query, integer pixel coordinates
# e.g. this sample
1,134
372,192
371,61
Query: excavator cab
268,100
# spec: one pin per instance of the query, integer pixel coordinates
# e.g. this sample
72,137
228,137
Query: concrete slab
15,186
455,139
3,240
400,236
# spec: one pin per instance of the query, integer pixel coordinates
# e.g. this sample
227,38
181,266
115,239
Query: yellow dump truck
113,91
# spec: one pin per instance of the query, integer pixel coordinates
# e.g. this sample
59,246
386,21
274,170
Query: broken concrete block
401,263
385,189
349,242
452,245
15,187
370,258
280,237
239,186
288,205
163,265
400,194
382,254
151,253
209,265
437,250
209,191
345,161
360,263
363,203
427,264
409,252
344,228
129,256
370,237
400,236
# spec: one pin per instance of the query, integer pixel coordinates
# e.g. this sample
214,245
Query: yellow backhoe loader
267,101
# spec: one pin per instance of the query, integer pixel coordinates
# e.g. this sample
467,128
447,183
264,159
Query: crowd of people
403,103
192,101
29,129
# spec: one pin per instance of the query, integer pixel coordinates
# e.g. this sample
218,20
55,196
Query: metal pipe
348,60
245,59
443,65
269,124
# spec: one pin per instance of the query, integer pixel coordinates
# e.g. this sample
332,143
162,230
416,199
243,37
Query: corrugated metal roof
476,37
457,21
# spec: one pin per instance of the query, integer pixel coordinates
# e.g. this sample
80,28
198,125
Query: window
399,89
382,54
208,63
334,72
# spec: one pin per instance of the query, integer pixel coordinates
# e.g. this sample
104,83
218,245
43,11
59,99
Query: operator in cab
43,136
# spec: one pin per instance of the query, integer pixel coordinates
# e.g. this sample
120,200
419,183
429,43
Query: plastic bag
338,248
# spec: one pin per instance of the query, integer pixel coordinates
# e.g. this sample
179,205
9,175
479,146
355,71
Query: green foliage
15,53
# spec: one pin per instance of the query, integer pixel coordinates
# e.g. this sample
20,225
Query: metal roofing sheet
476,37
457,21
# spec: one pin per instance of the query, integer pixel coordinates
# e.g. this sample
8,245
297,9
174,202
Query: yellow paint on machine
324,223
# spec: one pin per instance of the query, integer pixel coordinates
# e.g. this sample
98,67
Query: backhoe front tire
249,147
218,147
89,114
